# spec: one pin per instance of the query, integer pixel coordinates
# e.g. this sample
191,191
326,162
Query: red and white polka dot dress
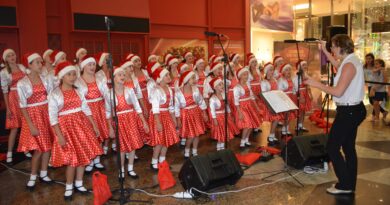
168,136
40,118
13,103
201,79
304,99
269,115
82,144
130,137
191,118
233,84
142,83
96,104
256,89
251,117
291,115
218,132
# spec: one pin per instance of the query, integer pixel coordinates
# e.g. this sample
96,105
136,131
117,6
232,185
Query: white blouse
6,78
131,99
56,103
239,91
25,89
265,86
207,90
150,86
215,104
295,83
195,94
103,88
283,85
158,97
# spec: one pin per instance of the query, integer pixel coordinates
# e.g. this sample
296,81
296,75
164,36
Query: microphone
108,21
209,33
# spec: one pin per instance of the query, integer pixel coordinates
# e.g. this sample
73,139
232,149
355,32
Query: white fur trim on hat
155,66
118,69
218,58
167,56
101,59
267,68
133,58
66,70
242,71
182,67
79,51
33,56
187,78
219,65
6,52
199,62
285,67
162,74
47,53
216,82
126,64
303,63
186,54
58,56
251,60
151,56
86,61
236,55
172,61
277,59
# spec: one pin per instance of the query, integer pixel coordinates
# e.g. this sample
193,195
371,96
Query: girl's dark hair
373,59
344,42
381,62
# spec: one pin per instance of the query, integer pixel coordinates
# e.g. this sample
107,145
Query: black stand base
286,170
124,198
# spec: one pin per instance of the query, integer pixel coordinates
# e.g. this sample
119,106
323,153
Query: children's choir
65,110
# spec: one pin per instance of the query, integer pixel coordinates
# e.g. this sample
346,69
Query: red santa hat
211,58
215,66
28,58
167,56
159,74
85,60
133,58
126,64
101,57
251,59
268,66
78,52
198,61
185,77
171,60
151,67
65,67
234,56
277,59
214,82
249,55
118,69
241,71
47,53
6,52
182,67
151,57
186,54
300,63
285,67
55,56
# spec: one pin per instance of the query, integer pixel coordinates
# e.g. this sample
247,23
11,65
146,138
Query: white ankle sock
32,180
43,173
161,159
68,189
186,152
9,154
194,152
79,184
154,161
130,167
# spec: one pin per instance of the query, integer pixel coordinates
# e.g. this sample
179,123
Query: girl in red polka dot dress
193,112
35,134
129,112
217,110
162,120
285,84
200,72
247,111
10,75
269,83
76,142
96,93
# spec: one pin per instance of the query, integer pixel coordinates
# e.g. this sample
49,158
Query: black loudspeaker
305,150
332,31
210,171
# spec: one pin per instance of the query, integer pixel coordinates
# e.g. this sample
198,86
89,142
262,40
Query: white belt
95,100
66,112
164,109
231,90
347,104
245,99
143,89
124,111
37,104
13,88
220,112
255,83
201,86
289,92
190,107
302,88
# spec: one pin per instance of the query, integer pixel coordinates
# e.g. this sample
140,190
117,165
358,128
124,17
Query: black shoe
99,166
31,188
70,197
134,176
77,189
154,169
47,181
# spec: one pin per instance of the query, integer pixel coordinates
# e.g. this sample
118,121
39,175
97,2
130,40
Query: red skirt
251,116
192,122
13,104
82,145
218,132
147,104
168,136
304,101
130,137
99,116
231,102
293,114
40,118
270,116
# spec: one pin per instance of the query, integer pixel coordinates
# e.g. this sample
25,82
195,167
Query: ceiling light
301,6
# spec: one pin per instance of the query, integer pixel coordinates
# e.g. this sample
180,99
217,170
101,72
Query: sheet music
278,101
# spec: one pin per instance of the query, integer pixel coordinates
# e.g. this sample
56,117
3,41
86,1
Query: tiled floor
373,187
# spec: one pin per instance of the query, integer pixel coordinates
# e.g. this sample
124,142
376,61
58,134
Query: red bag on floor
248,159
165,177
3,156
101,189
272,150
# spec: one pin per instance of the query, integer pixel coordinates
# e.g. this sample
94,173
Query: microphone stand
123,199
299,78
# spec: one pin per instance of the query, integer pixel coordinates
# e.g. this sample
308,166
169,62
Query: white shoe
105,150
28,154
335,191
89,167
